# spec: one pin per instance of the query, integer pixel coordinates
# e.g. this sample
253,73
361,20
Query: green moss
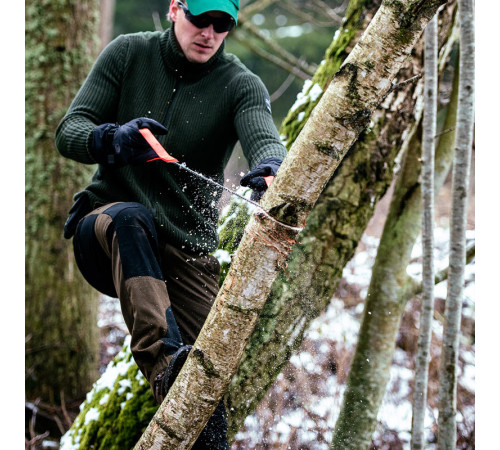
406,16
232,224
116,411
334,57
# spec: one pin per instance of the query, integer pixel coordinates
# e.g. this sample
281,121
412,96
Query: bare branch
284,86
284,54
256,7
415,287
448,130
321,6
293,69
157,21
397,86
292,7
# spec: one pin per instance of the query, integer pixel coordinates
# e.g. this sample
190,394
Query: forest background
312,46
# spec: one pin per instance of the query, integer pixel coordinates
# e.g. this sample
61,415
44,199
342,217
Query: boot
214,435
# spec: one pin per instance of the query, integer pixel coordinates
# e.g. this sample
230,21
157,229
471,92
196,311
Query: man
144,229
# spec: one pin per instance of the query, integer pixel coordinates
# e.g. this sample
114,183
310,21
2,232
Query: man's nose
208,31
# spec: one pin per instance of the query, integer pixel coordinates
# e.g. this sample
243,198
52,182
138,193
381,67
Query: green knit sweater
206,109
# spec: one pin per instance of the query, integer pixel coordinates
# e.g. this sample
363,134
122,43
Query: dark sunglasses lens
221,25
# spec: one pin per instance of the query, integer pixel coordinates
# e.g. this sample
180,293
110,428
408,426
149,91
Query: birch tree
427,305
342,113
62,354
447,434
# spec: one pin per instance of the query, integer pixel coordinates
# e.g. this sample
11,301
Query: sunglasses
221,24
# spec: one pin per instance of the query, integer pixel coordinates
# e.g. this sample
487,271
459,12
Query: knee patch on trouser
137,240
116,248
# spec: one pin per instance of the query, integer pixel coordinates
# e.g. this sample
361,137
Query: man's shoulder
142,37
137,46
237,68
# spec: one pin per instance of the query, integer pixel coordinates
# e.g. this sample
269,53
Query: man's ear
174,8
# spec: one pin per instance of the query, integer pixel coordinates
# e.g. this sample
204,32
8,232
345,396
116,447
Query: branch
402,84
247,25
284,86
448,130
256,7
157,21
321,6
293,69
415,287
292,7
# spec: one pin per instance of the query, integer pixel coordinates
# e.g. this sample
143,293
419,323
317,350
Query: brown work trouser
119,253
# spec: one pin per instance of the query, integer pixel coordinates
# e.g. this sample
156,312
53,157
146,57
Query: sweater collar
176,61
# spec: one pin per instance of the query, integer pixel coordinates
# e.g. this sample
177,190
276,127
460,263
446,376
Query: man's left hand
255,179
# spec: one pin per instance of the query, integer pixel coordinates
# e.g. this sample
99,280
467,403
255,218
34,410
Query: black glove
255,178
117,145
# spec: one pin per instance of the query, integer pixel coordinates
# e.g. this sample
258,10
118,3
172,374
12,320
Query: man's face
197,44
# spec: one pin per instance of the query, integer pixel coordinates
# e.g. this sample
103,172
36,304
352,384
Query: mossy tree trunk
341,115
61,309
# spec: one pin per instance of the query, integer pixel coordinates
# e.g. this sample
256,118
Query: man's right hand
118,145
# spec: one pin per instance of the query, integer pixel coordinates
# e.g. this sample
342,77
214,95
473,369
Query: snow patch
92,414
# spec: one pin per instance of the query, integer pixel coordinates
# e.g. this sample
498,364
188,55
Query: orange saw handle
269,180
156,146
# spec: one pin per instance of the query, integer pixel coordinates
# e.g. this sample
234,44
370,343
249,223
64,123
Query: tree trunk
107,12
447,435
61,309
427,306
341,115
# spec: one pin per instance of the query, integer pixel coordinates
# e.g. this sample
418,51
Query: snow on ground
307,421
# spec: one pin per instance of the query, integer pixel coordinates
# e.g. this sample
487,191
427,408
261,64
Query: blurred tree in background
62,343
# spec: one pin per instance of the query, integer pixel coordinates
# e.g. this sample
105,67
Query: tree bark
427,305
107,12
447,434
341,115
61,309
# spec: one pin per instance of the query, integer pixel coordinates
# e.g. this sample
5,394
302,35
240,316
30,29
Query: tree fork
377,57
